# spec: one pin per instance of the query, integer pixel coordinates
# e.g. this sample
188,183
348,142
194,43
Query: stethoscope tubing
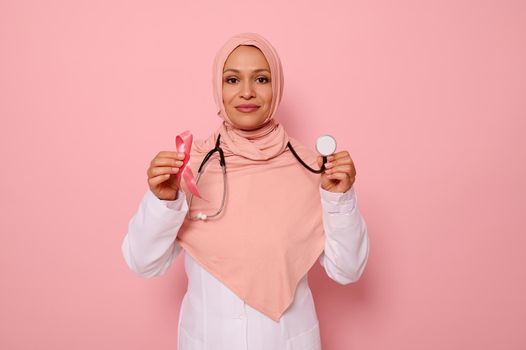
319,171
222,162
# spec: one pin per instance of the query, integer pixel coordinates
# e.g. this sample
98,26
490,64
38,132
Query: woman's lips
247,108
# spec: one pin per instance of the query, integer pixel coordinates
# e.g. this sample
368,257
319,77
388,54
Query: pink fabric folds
183,144
270,232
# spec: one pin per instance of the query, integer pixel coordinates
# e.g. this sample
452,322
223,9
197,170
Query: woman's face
247,88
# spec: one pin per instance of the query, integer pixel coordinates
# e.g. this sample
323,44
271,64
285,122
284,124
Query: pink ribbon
183,144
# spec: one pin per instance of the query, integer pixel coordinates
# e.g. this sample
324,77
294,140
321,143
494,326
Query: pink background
427,96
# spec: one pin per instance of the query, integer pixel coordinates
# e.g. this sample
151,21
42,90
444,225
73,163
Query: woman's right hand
162,174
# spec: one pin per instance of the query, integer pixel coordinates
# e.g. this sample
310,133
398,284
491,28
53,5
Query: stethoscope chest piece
326,145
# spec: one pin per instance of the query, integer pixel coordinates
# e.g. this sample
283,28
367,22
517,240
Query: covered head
249,39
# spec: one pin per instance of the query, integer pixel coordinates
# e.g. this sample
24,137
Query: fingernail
178,163
328,165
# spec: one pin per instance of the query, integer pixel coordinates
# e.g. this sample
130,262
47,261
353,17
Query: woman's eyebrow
255,71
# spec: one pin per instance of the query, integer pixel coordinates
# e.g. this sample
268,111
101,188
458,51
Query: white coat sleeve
346,240
149,246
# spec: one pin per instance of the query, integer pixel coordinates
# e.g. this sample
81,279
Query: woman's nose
247,90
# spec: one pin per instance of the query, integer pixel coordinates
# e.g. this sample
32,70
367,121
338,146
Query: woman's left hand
340,173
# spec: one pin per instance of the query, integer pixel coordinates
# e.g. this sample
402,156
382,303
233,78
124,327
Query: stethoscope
325,145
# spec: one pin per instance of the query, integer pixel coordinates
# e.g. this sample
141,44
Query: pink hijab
270,232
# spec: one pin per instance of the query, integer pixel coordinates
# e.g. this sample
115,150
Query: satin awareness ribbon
183,144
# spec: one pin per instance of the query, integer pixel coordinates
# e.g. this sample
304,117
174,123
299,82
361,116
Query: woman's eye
231,80
262,80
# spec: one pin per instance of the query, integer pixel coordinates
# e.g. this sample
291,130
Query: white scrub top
212,317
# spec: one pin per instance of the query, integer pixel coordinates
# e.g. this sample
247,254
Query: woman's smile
247,108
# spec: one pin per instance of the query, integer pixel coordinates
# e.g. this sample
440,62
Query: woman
247,267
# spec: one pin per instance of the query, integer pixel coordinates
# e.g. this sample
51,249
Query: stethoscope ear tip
201,216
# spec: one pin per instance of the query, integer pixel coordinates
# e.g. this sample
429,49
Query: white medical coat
212,317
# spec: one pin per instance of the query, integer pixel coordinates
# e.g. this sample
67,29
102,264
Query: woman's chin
249,126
